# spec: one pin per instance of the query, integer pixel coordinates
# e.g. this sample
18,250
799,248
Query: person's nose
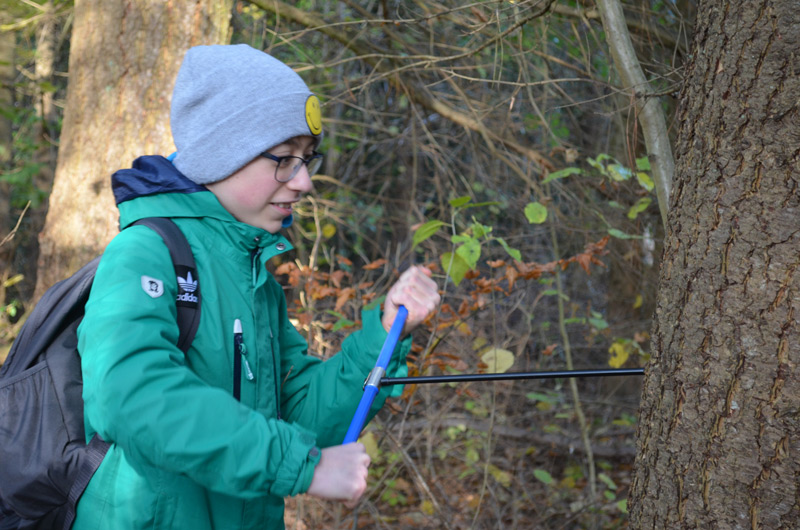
301,182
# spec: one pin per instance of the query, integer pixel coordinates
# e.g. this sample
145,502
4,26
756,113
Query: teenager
194,444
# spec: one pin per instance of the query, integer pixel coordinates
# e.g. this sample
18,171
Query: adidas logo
188,286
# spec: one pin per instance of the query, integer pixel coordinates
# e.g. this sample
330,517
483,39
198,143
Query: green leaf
342,323
619,234
479,230
619,173
426,231
597,165
554,292
536,213
645,181
643,164
459,202
470,251
598,323
561,173
502,477
605,479
454,266
640,206
375,303
480,204
538,396
626,420
623,505
598,162
543,476
514,253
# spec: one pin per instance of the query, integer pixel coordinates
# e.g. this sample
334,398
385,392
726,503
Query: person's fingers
341,473
417,292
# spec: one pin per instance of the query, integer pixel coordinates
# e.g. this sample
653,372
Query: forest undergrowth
481,454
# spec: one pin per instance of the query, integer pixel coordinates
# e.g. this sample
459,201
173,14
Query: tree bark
7,39
124,57
719,429
45,107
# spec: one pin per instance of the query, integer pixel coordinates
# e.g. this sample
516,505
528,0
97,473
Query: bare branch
667,38
651,117
415,92
13,232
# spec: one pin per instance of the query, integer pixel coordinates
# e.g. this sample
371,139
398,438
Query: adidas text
186,297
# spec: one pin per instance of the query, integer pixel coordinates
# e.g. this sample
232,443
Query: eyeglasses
286,167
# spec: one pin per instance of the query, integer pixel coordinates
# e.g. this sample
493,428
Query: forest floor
443,459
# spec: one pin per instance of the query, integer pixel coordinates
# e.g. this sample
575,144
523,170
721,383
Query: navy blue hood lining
150,175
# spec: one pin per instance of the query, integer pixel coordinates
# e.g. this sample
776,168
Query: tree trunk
124,57
7,40
45,108
719,429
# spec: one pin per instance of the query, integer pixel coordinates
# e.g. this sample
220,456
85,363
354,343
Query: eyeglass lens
313,166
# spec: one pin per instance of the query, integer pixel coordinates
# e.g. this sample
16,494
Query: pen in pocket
240,357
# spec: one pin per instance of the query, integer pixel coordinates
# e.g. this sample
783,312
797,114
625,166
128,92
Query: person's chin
271,226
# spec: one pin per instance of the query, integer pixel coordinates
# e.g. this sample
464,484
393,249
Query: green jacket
184,453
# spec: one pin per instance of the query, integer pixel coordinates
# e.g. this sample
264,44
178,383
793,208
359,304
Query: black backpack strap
183,261
94,454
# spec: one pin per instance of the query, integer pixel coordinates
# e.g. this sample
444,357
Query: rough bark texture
719,432
124,57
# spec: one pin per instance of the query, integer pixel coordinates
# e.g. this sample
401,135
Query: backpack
45,462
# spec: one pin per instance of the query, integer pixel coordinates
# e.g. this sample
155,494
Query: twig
573,385
13,232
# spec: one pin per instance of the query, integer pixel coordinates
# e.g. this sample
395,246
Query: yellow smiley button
313,115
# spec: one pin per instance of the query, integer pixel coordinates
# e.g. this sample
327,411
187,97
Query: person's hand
417,292
341,474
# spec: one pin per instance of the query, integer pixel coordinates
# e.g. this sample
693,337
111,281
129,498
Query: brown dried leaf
377,264
344,296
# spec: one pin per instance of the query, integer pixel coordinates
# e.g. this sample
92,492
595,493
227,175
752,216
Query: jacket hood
150,175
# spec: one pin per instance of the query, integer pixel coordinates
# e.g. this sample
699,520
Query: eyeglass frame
315,156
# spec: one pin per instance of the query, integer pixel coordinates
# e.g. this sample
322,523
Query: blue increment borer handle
372,386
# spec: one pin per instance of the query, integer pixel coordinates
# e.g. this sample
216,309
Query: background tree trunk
719,428
124,57
46,40
6,141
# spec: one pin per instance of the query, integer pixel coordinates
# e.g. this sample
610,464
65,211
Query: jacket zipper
254,273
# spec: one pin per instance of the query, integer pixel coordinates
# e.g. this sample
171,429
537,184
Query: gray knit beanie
232,103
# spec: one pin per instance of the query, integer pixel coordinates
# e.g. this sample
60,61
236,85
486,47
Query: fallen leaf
377,264
498,360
